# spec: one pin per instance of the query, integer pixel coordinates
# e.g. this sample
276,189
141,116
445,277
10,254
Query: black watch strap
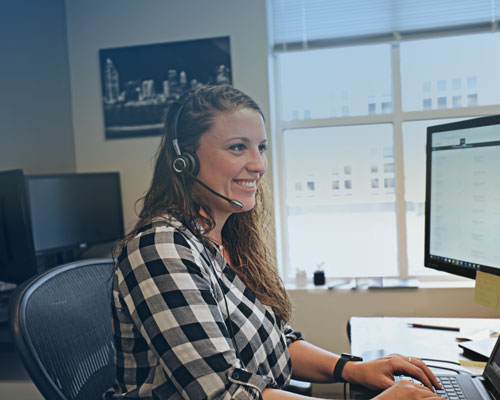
339,367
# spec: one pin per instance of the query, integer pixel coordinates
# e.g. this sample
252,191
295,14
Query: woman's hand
408,391
379,373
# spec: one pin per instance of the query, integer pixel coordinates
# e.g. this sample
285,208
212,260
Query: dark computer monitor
72,211
17,255
462,218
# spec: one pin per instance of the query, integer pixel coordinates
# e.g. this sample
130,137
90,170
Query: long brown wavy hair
245,235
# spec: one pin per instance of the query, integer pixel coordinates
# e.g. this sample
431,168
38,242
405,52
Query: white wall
94,24
36,132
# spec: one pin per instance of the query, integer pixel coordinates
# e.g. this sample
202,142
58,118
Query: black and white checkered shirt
171,326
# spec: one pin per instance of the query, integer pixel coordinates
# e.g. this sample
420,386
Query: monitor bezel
491,372
437,264
85,244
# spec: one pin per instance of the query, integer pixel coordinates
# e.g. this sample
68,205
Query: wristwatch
339,367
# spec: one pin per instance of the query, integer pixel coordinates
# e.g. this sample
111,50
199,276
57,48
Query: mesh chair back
61,324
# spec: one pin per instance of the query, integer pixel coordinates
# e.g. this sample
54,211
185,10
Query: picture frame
139,83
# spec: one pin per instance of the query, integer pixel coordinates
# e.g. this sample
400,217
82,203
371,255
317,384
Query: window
350,134
349,175
450,72
335,82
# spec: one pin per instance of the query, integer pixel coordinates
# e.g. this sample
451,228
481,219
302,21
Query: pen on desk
440,327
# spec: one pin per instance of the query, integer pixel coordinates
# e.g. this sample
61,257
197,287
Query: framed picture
140,82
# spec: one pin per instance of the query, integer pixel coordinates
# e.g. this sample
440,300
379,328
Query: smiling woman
199,310
232,160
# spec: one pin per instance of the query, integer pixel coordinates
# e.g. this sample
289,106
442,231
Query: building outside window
356,85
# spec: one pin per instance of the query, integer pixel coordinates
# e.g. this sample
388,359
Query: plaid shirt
171,327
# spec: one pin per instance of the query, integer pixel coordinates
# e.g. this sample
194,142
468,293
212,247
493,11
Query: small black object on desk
319,278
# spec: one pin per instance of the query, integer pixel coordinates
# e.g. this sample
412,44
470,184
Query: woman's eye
237,147
263,148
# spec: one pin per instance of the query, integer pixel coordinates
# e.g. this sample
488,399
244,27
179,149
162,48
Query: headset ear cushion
193,163
187,163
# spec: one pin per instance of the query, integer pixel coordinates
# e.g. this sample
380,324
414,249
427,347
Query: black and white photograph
140,82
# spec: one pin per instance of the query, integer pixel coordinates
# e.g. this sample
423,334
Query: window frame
397,118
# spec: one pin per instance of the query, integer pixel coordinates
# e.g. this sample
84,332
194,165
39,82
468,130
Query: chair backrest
61,324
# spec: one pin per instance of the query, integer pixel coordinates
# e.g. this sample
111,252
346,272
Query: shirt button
235,375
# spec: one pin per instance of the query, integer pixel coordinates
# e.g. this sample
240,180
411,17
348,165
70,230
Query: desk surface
373,337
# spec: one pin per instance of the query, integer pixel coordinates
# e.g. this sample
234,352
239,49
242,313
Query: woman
198,308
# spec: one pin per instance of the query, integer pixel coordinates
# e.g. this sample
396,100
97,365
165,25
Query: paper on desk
474,367
480,334
487,289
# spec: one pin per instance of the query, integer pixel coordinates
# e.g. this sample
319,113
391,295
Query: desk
373,337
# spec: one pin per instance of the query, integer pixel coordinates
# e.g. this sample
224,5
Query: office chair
61,324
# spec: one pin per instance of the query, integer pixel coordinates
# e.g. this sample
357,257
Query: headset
187,163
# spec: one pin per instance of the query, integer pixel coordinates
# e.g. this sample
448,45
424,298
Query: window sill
350,285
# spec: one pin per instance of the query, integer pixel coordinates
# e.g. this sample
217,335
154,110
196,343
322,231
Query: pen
440,327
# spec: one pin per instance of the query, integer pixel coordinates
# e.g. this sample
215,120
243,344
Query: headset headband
175,141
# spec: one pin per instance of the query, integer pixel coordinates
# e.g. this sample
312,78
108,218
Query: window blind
318,23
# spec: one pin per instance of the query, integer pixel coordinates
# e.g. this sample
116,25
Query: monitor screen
74,210
17,256
462,220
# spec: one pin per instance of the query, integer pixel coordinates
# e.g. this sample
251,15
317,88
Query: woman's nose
257,162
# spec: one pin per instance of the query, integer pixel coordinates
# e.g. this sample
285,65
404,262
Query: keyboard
451,389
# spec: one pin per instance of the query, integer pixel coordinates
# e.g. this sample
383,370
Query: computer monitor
73,211
17,255
462,212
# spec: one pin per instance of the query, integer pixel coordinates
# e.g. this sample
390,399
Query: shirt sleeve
169,295
291,335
